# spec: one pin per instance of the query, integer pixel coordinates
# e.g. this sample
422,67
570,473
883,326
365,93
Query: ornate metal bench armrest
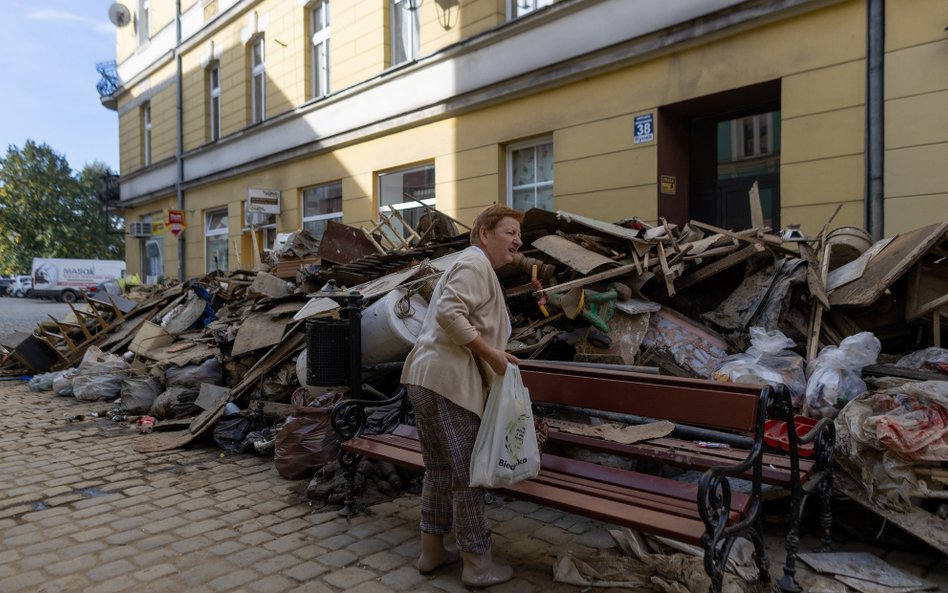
349,418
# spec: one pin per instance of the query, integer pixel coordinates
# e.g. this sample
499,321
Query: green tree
47,211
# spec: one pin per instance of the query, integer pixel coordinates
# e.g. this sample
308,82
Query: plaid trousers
447,433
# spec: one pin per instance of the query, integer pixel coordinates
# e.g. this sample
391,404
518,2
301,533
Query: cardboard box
150,337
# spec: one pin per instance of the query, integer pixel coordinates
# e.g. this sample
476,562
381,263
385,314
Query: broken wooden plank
756,211
720,265
889,265
666,272
814,278
257,331
575,256
565,286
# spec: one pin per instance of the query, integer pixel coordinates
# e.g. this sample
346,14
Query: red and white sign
176,222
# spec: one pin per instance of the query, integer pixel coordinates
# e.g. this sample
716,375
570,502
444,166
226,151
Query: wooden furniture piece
709,514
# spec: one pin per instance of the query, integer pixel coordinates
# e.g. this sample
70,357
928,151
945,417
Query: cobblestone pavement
81,511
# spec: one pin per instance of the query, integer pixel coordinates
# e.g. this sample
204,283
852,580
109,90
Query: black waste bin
327,352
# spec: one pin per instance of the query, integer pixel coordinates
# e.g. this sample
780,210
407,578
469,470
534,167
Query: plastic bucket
390,327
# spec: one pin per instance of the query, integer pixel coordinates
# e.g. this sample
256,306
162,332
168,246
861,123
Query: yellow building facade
336,109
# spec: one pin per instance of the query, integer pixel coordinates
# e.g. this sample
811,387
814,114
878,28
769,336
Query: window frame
146,134
335,215
514,9
414,30
208,233
319,49
144,21
738,145
258,76
214,101
516,146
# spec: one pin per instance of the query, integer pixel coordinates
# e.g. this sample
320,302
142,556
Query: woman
448,373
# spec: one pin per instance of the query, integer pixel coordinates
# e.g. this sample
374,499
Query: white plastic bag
836,375
505,450
768,360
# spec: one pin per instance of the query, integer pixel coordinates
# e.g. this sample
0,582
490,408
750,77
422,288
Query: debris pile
837,317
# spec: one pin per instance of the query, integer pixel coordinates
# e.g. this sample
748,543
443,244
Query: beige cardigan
468,300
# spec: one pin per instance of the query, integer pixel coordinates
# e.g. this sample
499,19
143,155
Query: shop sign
176,222
264,201
669,184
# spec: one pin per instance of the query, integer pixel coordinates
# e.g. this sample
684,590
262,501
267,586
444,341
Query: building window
402,191
518,8
405,27
258,84
214,99
153,261
752,136
263,225
146,134
319,25
530,175
320,205
144,21
215,240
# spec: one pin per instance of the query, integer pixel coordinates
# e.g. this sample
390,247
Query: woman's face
501,242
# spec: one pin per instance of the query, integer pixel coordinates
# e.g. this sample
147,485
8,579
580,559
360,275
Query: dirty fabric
625,434
642,567
880,436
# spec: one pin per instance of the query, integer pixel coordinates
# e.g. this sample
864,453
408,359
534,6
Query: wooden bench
708,514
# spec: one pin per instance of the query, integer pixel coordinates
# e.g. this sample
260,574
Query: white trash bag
505,450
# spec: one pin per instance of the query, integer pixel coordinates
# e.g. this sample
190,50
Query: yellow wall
598,170
449,21
916,120
358,48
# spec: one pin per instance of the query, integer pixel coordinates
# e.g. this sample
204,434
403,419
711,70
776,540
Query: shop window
407,191
215,240
321,204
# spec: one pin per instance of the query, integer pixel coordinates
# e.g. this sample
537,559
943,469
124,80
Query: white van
66,279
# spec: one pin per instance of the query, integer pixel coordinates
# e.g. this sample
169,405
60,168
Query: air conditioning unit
141,230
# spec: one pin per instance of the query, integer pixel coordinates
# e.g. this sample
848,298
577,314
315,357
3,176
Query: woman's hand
495,358
498,360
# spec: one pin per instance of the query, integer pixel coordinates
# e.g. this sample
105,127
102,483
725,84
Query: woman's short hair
490,217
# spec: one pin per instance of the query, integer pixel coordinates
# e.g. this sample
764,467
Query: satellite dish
119,15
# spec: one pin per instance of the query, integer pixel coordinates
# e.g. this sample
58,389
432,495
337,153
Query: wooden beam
720,265
565,286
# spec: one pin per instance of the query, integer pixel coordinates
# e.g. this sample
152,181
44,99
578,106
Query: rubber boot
434,554
480,570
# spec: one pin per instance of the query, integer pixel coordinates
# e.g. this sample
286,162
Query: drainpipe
875,119
179,131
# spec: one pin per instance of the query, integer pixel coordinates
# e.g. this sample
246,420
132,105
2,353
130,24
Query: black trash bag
307,440
231,430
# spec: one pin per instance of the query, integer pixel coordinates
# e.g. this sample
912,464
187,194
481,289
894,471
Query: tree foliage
48,211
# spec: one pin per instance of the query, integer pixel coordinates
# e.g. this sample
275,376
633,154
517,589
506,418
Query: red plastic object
775,434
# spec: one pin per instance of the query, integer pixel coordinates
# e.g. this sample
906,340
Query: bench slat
687,404
776,468
548,493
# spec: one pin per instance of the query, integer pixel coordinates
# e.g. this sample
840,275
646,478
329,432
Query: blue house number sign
644,129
